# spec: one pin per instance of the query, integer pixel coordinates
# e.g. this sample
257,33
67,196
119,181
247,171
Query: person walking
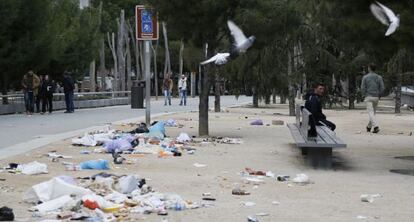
167,87
30,85
68,89
37,95
47,89
182,86
372,87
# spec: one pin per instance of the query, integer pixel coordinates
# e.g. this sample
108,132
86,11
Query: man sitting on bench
313,105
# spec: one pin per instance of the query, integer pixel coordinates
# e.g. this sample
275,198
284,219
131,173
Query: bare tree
121,49
167,65
135,44
111,43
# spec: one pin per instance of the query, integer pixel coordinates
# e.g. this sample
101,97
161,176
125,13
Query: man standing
182,86
372,87
313,104
47,89
68,89
167,87
30,84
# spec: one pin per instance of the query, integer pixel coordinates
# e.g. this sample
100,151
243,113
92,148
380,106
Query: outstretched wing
210,60
391,29
379,13
236,32
389,13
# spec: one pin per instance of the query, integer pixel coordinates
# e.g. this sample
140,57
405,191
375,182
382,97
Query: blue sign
146,19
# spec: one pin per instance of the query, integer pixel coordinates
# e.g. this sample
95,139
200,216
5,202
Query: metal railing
18,98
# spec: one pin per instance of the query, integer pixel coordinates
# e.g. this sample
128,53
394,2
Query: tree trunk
121,50
154,50
217,106
102,68
274,96
111,43
3,86
167,65
398,92
203,129
135,44
255,98
128,62
352,87
291,88
267,98
92,75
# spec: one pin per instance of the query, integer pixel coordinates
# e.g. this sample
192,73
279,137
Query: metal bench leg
320,157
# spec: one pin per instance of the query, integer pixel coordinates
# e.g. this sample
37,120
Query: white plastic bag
53,189
33,168
183,137
128,184
301,178
55,204
86,140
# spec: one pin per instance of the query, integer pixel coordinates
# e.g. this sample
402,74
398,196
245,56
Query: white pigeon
218,59
386,17
241,42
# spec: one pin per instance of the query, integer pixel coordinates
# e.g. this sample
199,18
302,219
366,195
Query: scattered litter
55,155
275,202
171,123
360,217
209,199
254,172
228,140
142,128
301,179
206,194
85,152
54,204
6,214
252,219
33,168
191,152
369,197
262,214
283,178
199,165
248,204
255,181
270,174
95,165
238,191
257,122
183,137
86,140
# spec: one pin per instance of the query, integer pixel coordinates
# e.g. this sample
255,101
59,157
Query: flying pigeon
386,17
218,59
241,43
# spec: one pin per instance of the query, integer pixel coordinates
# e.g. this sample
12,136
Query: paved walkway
19,132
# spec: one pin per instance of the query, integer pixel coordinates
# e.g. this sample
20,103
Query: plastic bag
171,123
86,140
301,178
257,122
158,127
95,165
119,144
54,204
183,137
33,168
53,189
128,184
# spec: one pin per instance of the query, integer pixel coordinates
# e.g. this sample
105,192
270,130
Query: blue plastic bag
158,127
95,165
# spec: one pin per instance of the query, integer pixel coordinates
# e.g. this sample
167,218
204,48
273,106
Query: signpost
146,30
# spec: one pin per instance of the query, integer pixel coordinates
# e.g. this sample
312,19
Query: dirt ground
334,195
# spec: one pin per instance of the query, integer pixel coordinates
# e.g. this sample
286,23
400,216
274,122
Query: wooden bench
318,149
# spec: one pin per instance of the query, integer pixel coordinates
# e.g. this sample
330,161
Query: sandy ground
334,195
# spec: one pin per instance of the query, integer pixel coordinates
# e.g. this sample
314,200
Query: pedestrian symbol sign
146,23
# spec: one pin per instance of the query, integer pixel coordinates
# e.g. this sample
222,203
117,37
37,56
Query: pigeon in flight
218,59
241,42
386,17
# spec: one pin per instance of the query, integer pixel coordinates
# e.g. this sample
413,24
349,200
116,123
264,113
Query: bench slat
333,136
324,135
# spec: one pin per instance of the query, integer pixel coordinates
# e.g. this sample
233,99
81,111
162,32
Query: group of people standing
40,89
168,87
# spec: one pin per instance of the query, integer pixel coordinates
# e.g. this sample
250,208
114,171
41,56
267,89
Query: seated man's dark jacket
313,104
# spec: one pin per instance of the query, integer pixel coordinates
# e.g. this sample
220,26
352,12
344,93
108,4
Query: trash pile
102,197
141,140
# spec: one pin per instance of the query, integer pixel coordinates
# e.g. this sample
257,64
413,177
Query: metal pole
147,56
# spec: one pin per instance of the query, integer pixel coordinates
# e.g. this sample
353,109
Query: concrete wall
60,105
